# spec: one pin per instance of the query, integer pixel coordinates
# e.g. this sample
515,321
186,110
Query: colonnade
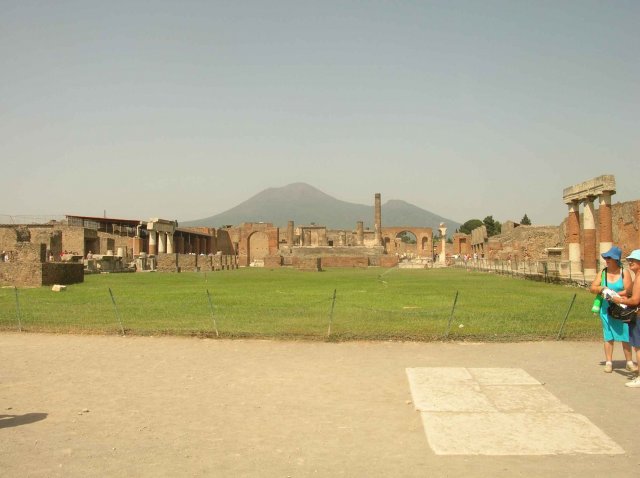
585,194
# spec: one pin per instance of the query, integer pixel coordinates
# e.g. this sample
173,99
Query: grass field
369,304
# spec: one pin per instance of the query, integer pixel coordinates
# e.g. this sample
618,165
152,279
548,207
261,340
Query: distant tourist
614,278
633,301
89,255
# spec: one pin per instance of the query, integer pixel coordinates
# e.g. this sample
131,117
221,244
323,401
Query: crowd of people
614,284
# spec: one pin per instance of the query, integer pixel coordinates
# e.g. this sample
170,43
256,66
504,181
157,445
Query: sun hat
614,253
635,255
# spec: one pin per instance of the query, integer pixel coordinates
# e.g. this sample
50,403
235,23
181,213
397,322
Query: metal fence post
215,326
18,311
559,336
333,304
455,300
116,309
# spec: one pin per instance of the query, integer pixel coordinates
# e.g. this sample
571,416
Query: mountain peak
305,204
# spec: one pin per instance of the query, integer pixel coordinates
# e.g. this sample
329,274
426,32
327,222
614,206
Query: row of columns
591,250
166,243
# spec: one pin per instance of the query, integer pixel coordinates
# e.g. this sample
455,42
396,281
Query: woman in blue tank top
613,330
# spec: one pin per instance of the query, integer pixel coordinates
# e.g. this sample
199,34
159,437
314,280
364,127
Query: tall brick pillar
290,233
378,220
589,234
137,246
573,236
605,225
153,246
360,233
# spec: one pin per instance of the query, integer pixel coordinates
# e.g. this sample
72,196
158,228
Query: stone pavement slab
499,411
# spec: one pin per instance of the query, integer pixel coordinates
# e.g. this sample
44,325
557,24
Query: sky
183,110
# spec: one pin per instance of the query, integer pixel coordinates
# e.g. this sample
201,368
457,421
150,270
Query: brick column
290,233
589,234
137,246
378,220
360,233
153,248
605,225
573,236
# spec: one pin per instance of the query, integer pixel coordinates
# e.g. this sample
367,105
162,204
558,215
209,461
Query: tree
470,225
407,237
525,221
493,227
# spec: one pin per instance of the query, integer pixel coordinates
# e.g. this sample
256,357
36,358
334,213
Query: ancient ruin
63,251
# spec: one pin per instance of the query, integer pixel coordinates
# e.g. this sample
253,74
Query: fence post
455,300
215,326
116,309
18,311
559,336
333,304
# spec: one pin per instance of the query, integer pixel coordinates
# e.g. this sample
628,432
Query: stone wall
193,262
307,263
36,274
344,261
524,243
273,262
167,262
62,273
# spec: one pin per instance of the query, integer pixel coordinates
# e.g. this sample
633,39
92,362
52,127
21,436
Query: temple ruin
62,251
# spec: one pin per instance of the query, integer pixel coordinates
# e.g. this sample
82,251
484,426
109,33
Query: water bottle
595,308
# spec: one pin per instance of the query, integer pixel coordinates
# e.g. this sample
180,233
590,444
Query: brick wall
273,262
21,274
62,273
166,262
307,263
344,261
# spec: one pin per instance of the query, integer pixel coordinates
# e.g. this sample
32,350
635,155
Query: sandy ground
77,406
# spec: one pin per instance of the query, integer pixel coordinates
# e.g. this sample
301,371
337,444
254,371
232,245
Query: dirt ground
77,406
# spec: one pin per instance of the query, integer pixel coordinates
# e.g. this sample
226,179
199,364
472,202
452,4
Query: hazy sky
184,109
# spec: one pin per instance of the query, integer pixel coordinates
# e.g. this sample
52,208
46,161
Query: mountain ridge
305,204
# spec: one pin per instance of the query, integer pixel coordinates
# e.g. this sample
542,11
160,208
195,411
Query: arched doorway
258,246
406,242
426,249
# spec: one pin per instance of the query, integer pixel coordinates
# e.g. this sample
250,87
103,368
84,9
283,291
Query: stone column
573,236
378,220
153,248
589,234
196,245
360,233
290,233
443,254
137,246
169,243
605,225
162,242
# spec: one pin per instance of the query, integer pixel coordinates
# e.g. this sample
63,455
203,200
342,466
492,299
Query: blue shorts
634,333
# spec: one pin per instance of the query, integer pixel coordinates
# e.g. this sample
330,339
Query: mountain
304,204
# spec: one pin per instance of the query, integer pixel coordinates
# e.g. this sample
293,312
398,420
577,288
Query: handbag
623,314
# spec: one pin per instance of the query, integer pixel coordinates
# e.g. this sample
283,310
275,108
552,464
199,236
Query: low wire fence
333,315
547,270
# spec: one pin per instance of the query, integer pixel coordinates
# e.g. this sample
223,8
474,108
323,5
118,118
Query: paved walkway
76,406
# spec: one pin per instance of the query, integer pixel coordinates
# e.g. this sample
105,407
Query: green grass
283,303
